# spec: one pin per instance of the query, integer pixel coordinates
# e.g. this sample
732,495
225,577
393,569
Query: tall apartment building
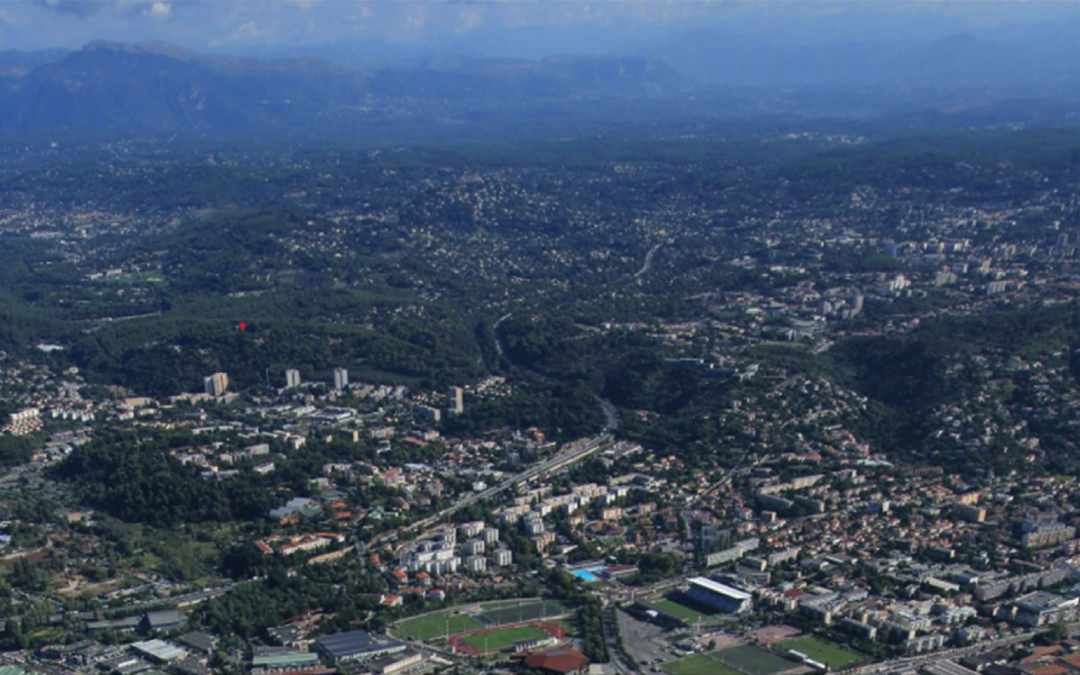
341,378
216,384
292,378
429,415
456,400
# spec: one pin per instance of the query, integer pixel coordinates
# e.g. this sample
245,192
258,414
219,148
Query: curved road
648,260
611,414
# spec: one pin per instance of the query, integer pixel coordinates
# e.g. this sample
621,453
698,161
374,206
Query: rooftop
722,589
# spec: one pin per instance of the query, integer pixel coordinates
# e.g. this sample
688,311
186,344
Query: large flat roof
358,640
159,649
353,643
284,659
722,589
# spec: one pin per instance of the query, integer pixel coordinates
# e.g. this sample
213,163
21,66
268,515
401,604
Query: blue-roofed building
719,596
357,645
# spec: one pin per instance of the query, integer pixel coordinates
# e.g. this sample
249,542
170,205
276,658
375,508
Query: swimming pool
585,575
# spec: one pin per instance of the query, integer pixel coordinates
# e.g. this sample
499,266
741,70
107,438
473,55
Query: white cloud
159,10
469,20
416,17
249,31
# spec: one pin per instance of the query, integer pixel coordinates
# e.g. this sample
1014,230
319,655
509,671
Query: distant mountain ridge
704,81
112,86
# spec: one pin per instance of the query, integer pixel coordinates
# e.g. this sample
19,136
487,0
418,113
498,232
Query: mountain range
156,87
119,89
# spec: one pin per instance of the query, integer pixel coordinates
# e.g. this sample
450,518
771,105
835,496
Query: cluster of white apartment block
440,554
531,507
23,422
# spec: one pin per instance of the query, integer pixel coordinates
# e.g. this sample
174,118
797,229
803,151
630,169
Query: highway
569,454
611,415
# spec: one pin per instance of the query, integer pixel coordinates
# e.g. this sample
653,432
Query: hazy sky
506,27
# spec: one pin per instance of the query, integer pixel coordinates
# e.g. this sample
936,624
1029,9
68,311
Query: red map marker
243,326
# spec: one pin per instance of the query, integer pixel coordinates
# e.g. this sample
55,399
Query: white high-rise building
502,557
456,400
471,529
216,384
341,378
292,378
428,414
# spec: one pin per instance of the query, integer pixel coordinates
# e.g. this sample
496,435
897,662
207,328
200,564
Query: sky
527,28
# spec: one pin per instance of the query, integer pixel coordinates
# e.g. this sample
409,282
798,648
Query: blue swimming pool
585,575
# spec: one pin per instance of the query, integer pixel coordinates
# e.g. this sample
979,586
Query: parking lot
644,641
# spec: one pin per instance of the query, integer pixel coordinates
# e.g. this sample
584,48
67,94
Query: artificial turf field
503,638
832,655
700,664
528,611
431,626
435,625
753,660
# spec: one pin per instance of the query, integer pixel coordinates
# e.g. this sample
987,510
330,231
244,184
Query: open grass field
465,619
528,611
503,638
699,664
754,660
436,625
831,654
683,607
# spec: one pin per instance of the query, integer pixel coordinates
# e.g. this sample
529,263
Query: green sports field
436,625
754,660
701,664
831,654
683,607
503,638
527,611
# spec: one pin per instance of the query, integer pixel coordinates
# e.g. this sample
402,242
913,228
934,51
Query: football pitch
439,624
753,660
832,655
683,607
701,664
466,619
527,611
503,638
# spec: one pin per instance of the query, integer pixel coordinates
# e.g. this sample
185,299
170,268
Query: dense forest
141,482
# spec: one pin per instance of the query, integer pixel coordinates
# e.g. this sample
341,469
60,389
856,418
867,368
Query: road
616,658
176,602
498,340
647,265
569,454
611,414
909,662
